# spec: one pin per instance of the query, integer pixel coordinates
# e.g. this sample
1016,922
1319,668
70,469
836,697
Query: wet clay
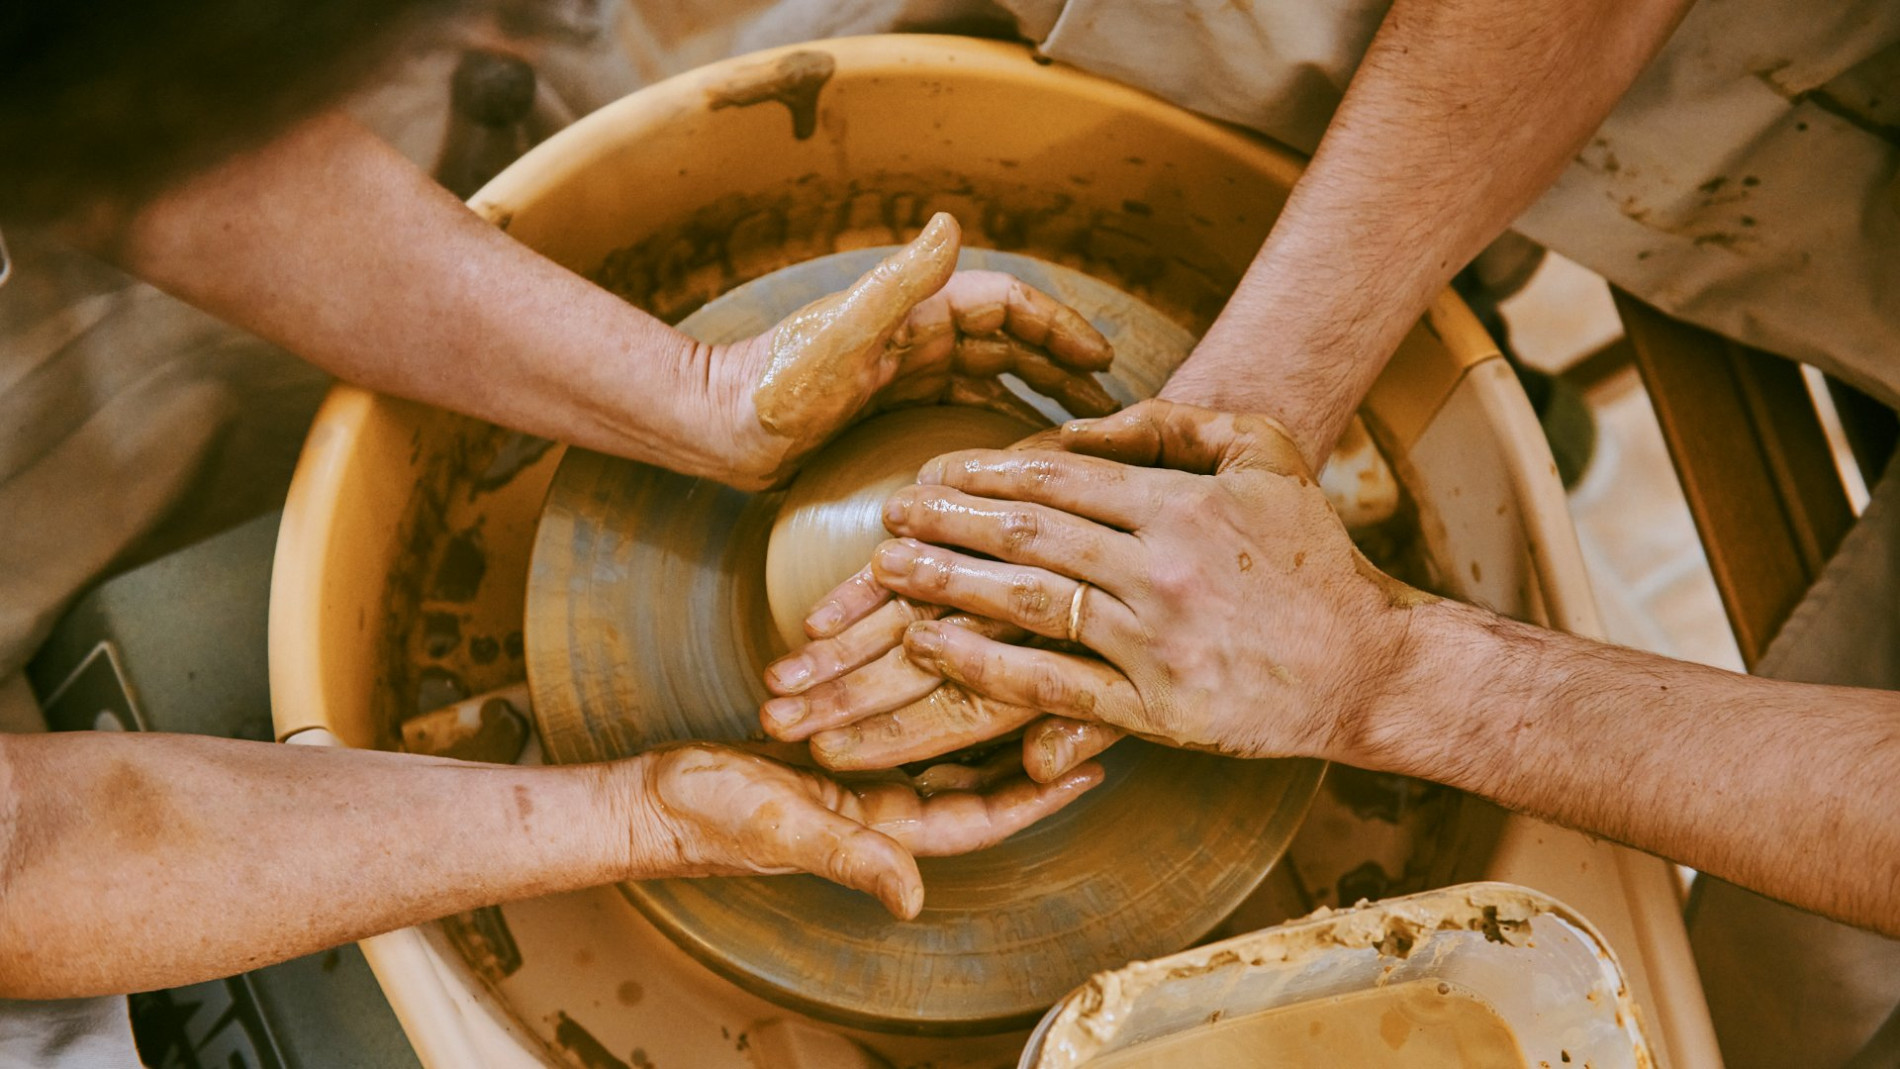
832,515
793,80
1398,595
825,357
1419,1025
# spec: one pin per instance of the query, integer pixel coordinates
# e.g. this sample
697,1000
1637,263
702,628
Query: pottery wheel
648,622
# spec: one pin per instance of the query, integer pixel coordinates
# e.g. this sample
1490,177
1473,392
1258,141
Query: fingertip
924,639
788,675
902,894
780,717
1083,777
942,227
825,621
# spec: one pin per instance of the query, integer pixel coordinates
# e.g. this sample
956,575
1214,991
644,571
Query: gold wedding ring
1075,612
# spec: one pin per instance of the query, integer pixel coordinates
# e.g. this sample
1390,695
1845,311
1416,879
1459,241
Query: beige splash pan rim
343,521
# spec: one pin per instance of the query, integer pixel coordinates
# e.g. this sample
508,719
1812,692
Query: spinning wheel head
655,602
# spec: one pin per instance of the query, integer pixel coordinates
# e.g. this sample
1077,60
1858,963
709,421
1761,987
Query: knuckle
1021,529
1048,691
1029,598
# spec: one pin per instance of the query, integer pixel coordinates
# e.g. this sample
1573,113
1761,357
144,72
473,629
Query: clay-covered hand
705,810
1227,607
913,330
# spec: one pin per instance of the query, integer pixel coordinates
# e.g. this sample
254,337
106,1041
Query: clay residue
1397,595
459,571
737,238
794,80
490,729
1089,1020
483,937
514,453
822,356
581,1045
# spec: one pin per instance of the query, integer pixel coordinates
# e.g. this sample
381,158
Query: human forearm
1460,115
133,862
1790,789
329,243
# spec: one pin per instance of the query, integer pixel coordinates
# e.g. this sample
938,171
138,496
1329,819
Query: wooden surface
1754,462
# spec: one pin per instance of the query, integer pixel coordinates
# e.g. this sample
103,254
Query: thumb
840,335
1201,441
843,851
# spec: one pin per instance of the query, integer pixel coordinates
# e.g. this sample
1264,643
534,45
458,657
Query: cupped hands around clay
699,809
1226,608
912,330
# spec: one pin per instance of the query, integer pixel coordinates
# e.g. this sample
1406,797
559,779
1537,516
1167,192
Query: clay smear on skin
815,353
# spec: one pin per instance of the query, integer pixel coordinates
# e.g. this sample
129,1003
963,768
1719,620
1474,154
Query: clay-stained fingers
958,822
1017,532
813,838
1033,599
1106,491
1055,744
887,683
993,395
1077,391
943,721
1005,764
881,300
992,303
1062,684
1187,438
846,604
856,646
884,684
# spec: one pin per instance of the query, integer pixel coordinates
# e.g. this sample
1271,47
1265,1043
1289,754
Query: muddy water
1419,1025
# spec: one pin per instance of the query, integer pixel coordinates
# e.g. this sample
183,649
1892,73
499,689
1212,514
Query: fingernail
783,713
789,675
823,624
914,901
896,510
1076,426
890,891
896,558
931,473
924,639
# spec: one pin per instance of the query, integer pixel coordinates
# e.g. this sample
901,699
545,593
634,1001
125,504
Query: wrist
1427,718
634,827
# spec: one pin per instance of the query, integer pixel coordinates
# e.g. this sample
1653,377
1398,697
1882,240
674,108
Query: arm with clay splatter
1460,115
333,245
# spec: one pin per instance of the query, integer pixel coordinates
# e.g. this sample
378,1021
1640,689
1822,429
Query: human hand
1229,607
913,330
706,810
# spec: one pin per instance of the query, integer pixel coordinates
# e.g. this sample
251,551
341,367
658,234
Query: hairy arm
330,243
1789,789
131,862
1461,114
1229,611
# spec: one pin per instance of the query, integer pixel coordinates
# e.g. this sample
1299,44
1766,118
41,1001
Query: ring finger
1031,598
